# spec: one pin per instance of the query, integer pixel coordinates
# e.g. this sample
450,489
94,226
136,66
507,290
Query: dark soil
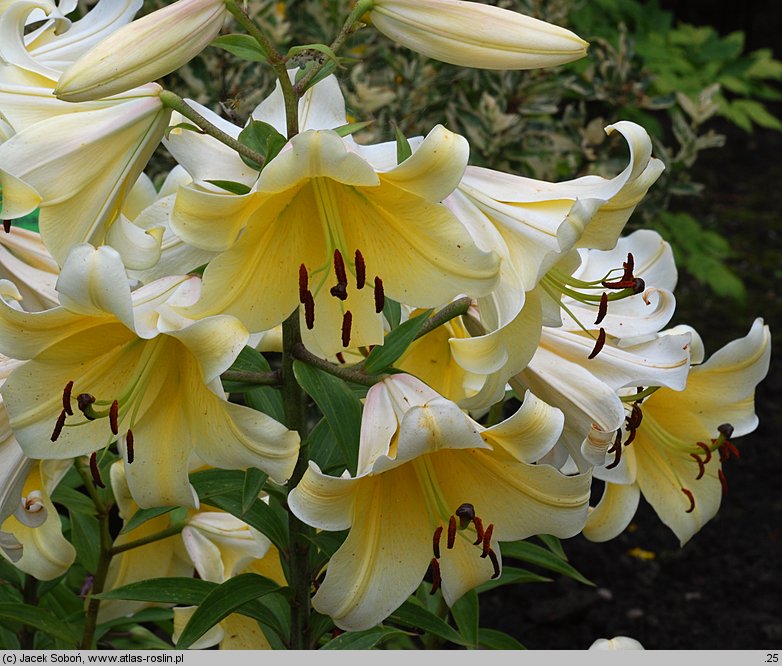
723,590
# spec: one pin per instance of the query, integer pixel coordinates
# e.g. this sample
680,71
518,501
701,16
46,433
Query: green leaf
143,515
85,536
392,311
323,71
189,127
339,405
253,483
213,482
542,557
403,149
497,640
264,140
395,344
554,545
465,613
322,48
221,602
40,619
73,500
412,614
230,186
350,128
361,640
242,46
511,576
323,449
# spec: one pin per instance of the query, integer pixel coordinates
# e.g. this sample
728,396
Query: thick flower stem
104,559
175,102
157,536
271,378
298,533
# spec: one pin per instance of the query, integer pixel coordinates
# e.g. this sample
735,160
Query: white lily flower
433,489
142,374
616,643
683,437
471,34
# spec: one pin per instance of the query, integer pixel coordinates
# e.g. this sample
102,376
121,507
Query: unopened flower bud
471,34
143,50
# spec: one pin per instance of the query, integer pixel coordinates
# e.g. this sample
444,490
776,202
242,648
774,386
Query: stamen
7,226
451,532
114,417
601,340
340,358
602,309
303,284
361,270
380,297
436,580
347,322
723,482
58,426
309,310
84,402
436,541
95,471
691,498
487,540
129,446
707,452
339,268
701,465
466,513
66,398
617,449
478,530
495,563
728,451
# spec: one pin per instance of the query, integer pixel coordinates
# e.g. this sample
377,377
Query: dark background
723,590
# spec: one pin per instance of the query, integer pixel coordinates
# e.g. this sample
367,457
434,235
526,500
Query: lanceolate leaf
221,602
361,640
395,344
542,557
253,482
242,46
40,619
413,615
465,613
498,640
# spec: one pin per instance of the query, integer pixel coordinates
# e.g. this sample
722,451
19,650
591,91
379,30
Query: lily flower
138,374
471,34
433,490
345,232
25,261
144,50
682,440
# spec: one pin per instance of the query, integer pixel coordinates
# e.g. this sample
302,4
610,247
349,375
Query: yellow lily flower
675,458
471,34
433,490
140,374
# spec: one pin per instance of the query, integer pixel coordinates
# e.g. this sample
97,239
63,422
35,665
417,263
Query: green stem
30,597
277,62
175,102
349,374
271,378
104,558
359,9
456,308
157,536
299,534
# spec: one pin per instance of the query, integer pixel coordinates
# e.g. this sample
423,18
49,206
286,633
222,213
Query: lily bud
143,50
470,34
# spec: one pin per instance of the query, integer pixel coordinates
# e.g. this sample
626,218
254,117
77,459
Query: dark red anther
7,226
340,358
628,266
487,540
59,425
114,417
380,297
66,398
347,322
95,471
616,449
636,416
701,465
451,532
691,498
436,579
706,451
495,563
723,482
84,401
339,268
303,284
436,541
628,280
601,340
129,446
478,530
466,514
361,270
309,310
602,308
